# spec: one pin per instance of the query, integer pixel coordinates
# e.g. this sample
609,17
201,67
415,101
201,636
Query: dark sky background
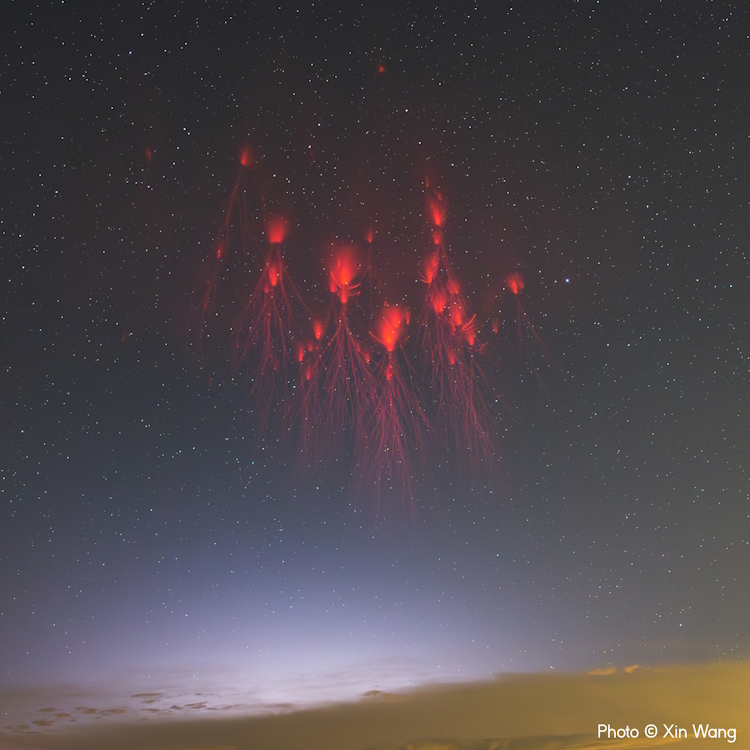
150,531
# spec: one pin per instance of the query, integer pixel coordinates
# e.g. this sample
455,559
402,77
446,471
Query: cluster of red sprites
399,393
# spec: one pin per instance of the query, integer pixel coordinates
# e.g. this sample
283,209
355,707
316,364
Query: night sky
156,536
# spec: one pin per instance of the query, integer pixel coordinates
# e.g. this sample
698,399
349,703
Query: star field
149,527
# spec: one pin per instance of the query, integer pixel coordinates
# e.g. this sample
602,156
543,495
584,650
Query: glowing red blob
276,229
391,326
457,314
369,236
220,251
436,209
318,329
515,283
345,267
469,331
381,68
274,273
437,236
430,268
148,154
437,300
247,158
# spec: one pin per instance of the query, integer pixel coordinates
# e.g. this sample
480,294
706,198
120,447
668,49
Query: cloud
513,712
